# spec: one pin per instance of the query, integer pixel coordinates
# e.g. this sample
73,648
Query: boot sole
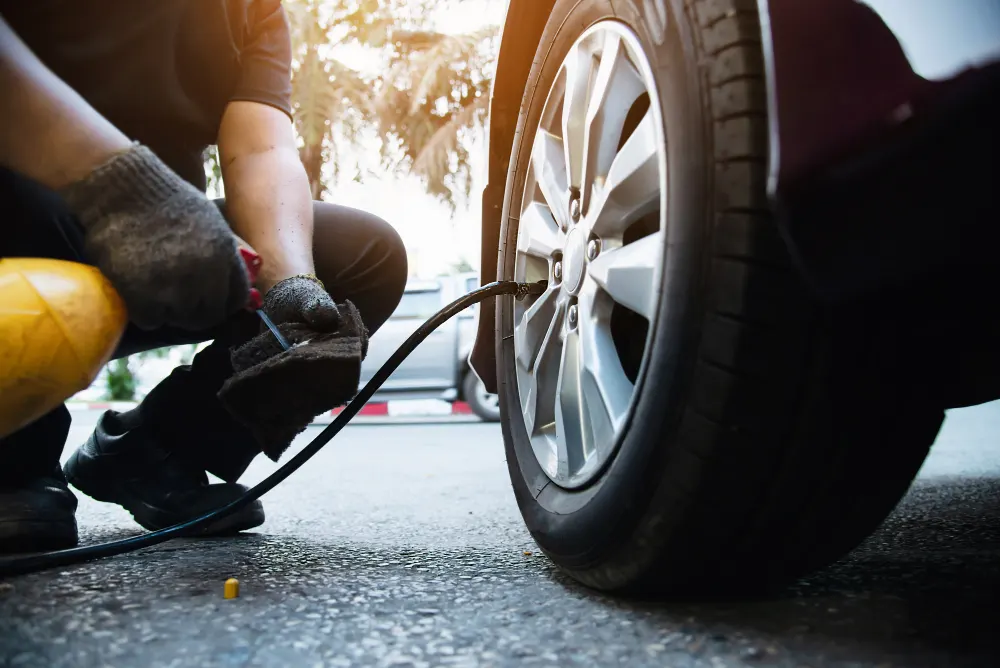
149,516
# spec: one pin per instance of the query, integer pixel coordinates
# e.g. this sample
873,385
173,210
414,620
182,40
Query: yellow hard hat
60,322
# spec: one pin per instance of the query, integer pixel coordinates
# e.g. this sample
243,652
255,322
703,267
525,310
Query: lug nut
593,249
557,271
574,209
573,315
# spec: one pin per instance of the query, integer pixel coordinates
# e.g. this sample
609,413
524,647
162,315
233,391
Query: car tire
483,404
765,437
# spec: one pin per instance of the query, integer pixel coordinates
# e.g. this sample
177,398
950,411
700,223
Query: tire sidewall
580,527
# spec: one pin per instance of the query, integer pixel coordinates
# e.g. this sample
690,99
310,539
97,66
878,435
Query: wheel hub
592,221
574,260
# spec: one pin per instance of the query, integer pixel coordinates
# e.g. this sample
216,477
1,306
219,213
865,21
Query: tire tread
759,333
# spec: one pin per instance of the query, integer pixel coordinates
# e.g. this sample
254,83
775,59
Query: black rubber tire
485,412
767,439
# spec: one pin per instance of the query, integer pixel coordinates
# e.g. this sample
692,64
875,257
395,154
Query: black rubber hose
45,560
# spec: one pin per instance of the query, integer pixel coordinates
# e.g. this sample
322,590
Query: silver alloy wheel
583,190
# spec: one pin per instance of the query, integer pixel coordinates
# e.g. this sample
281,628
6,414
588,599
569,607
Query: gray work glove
304,300
160,241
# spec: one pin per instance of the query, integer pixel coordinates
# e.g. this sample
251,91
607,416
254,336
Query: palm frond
436,64
444,141
434,86
436,160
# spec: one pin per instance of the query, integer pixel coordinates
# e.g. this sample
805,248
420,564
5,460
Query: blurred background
390,98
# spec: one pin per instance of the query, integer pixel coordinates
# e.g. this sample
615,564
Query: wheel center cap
574,260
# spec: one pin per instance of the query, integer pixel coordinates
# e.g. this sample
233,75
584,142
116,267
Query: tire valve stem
525,289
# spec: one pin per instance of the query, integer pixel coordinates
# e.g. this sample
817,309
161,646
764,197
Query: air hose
46,560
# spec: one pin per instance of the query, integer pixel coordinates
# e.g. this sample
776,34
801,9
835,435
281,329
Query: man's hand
164,246
302,299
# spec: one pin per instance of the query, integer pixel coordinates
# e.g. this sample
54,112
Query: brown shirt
163,71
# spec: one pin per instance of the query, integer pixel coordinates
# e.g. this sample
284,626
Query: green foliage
437,88
121,381
213,172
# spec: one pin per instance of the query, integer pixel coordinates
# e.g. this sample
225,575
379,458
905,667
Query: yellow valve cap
60,322
231,588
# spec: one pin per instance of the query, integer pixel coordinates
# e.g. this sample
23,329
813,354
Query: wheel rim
592,223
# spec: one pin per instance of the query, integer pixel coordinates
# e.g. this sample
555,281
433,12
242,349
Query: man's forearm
47,131
269,204
268,201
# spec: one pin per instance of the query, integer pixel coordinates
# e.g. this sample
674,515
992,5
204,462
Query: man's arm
142,222
268,200
47,131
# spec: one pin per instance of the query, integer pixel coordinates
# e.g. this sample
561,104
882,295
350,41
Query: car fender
519,39
840,72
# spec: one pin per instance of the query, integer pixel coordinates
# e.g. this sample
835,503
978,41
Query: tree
436,89
330,101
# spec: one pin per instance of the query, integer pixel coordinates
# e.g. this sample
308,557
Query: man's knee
360,257
396,261
389,268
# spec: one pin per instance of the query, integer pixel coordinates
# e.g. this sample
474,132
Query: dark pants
357,255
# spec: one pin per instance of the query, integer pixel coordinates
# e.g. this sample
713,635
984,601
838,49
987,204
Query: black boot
153,459
38,515
37,509
128,465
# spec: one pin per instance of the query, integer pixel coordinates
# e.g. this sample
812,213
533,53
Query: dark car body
883,137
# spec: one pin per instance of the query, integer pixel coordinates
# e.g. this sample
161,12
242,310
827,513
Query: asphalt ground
400,545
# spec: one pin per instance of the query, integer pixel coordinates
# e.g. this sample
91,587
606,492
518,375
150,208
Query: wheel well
522,34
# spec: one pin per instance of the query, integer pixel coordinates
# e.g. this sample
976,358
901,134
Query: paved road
402,546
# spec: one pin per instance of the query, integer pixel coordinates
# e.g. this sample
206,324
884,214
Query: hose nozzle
525,289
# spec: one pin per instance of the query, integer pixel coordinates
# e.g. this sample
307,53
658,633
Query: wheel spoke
579,66
605,388
530,333
538,233
628,273
632,188
569,409
617,86
548,164
541,391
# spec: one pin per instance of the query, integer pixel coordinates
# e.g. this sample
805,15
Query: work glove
302,299
276,393
160,241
